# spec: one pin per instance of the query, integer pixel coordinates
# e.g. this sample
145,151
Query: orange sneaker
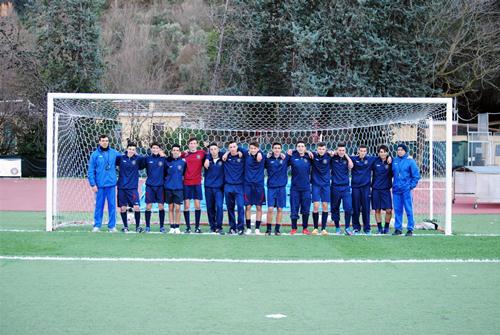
293,231
306,232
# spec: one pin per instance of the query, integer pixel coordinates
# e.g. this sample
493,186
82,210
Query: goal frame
52,132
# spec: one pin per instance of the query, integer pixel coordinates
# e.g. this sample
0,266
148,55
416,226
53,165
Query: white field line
244,261
104,231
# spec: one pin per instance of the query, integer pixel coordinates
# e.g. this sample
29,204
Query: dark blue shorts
254,195
128,197
320,193
193,192
276,197
381,199
154,194
174,196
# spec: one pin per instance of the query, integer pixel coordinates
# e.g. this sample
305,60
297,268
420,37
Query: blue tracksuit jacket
102,168
406,174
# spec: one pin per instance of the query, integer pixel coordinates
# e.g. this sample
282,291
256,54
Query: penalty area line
244,261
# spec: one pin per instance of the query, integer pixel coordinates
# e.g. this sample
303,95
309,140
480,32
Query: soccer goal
74,122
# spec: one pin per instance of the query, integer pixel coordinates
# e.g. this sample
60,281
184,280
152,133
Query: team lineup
324,178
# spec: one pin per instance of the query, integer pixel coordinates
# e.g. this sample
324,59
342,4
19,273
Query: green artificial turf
104,244
106,297
185,298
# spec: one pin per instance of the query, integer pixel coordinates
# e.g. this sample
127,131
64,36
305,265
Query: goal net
75,122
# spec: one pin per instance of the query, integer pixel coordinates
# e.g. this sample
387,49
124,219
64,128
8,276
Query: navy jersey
214,175
340,171
128,176
254,170
277,171
174,173
362,170
321,170
234,168
382,175
155,167
301,171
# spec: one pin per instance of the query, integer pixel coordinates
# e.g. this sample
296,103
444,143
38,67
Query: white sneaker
96,229
177,230
112,230
171,231
249,231
257,232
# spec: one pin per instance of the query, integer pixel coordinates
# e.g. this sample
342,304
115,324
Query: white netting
79,122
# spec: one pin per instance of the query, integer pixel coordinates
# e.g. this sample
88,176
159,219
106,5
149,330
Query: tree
467,59
22,129
342,48
67,43
362,48
255,55
157,48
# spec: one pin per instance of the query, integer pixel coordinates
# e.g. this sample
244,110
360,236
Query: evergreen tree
67,44
329,48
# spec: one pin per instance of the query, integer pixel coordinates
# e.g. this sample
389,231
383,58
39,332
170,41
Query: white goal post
74,121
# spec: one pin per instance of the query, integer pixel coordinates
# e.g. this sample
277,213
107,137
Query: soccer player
277,177
300,191
361,179
234,177
192,183
102,179
406,177
128,182
381,189
340,188
320,180
155,169
214,188
175,167
254,194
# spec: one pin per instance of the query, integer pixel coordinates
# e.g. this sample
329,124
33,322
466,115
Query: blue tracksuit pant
361,204
214,199
337,195
234,197
299,200
403,200
105,194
